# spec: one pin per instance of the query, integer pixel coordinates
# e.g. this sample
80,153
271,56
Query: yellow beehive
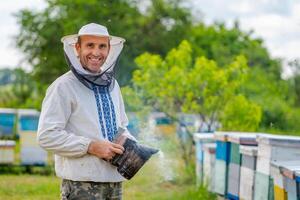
28,139
7,148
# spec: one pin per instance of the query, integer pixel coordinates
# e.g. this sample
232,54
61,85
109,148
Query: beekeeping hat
106,76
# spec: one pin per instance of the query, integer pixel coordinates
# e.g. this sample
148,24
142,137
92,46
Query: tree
181,83
223,44
18,91
40,32
295,79
241,115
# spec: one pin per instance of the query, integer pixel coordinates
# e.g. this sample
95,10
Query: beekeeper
81,113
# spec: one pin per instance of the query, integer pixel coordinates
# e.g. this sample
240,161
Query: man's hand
105,149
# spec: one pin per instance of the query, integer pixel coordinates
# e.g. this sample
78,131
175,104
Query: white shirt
69,121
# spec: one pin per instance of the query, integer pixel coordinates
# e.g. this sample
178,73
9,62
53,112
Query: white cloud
10,56
277,22
280,32
242,7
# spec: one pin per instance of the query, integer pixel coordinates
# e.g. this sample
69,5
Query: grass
147,184
162,178
29,187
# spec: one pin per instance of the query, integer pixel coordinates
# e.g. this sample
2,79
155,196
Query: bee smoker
134,156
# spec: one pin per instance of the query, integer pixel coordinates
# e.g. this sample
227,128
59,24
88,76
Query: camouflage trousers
77,190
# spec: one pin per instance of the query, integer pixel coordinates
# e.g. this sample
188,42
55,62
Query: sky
277,22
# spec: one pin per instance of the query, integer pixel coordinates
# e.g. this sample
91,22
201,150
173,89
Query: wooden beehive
221,163
209,152
297,178
31,153
7,121
236,139
279,191
248,167
272,148
7,149
201,139
289,169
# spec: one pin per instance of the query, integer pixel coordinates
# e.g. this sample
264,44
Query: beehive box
7,149
201,139
272,148
248,167
297,178
221,163
236,139
31,153
209,152
289,169
7,121
279,191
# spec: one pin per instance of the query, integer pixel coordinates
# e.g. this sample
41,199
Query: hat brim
72,39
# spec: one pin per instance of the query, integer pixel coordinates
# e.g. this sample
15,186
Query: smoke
164,163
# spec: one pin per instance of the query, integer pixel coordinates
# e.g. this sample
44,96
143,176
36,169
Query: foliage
181,83
265,87
132,101
241,115
275,99
155,29
294,80
216,42
17,92
40,32
6,76
178,85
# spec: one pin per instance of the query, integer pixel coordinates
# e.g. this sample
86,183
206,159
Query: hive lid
221,136
244,138
287,168
203,137
8,111
7,143
26,112
278,140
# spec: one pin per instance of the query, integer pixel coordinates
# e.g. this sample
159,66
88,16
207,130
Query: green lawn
147,184
161,178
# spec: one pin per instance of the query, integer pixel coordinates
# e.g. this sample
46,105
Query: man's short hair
79,40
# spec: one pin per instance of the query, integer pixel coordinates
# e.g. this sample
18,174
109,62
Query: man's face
92,52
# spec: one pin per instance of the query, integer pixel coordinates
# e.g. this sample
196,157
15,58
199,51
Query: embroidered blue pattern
106,112
99,110
113,112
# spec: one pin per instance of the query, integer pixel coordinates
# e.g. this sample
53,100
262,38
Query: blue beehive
29,122
222,161
201,139
222,150
133,124
7,121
